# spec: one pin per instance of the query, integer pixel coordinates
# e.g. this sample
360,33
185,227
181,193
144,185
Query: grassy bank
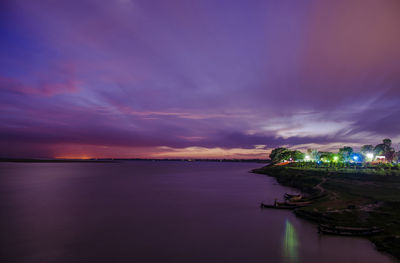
359,198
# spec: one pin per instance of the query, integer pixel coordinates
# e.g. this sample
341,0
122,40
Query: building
380,159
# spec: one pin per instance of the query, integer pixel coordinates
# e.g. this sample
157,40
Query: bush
380,169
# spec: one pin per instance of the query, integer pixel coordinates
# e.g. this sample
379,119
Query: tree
381,149
397,157
368,148
279,154
345,153
390,155
387,142
297,155
384,148
326,156
367,152
313,154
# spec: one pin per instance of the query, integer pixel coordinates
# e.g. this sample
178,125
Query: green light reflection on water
290,243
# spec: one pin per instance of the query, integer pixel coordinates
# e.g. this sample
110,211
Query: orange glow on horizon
85,152
73,157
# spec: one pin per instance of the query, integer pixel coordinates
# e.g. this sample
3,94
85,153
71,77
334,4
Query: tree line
367,153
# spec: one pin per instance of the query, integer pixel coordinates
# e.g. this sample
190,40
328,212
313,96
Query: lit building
380,158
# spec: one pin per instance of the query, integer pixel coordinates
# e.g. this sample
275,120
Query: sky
196,79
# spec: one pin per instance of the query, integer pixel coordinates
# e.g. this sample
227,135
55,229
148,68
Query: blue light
355,157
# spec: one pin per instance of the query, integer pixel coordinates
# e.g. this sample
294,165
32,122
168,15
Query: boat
284,205
298,203
348,231
278,206
293,197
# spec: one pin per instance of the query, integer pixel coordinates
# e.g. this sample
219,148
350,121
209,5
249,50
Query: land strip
349,199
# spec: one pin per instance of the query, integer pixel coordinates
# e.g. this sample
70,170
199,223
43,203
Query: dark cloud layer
130,78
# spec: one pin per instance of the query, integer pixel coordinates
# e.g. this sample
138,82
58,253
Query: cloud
308,124
43,89
217,152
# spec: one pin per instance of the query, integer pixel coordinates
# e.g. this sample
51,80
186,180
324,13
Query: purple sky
207,78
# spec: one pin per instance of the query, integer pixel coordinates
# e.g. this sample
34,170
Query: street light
370,156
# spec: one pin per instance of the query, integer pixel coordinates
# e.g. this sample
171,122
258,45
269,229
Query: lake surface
157,212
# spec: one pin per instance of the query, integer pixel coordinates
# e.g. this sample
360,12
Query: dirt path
333,195
319,187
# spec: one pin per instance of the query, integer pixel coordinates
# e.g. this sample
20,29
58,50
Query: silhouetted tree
345,153
384,148
279,154
368,148
297,155
387,142
314,154
326,156
390,155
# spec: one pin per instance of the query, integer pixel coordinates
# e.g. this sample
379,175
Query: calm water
156,212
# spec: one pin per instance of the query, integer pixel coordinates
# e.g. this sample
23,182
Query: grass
355,197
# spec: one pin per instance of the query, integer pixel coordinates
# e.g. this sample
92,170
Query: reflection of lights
290,243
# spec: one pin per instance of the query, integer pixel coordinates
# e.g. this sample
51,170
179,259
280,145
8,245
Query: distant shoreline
16,160
111,160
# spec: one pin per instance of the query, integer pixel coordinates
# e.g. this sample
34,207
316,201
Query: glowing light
335,158
74,157
355,157
370,156
307,157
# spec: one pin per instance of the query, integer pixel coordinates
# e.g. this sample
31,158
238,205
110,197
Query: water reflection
290,243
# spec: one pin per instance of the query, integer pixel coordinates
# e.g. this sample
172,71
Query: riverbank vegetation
382,169
368,154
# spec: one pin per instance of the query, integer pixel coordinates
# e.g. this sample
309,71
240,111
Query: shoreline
111,160
350,200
